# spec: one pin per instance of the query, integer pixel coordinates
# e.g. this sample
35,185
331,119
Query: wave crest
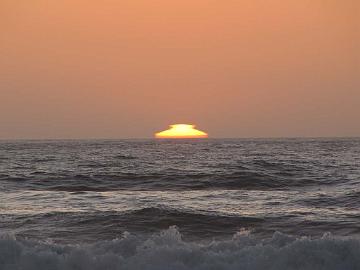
167,250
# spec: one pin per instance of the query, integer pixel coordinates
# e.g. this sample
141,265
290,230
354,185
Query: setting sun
180,131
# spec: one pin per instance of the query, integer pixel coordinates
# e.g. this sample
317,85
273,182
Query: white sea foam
168,251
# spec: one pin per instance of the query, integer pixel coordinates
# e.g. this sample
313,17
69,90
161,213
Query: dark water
237,204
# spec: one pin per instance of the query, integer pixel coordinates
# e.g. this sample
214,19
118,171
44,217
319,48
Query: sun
181,131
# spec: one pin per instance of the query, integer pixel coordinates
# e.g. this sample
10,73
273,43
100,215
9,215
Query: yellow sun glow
180,131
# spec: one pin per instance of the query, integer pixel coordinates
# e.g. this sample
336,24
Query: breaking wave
105,225
167,250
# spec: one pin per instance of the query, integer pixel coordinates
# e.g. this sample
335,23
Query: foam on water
65,200
167,250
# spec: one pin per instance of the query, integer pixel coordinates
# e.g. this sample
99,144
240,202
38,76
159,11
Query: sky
129,68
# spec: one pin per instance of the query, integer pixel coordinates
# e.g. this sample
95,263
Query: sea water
180,204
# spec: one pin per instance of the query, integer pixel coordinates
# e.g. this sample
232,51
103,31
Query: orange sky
128,68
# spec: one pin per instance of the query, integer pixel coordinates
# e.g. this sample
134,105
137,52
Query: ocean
207,204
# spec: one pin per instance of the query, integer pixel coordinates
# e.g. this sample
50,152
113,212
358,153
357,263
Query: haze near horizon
105,69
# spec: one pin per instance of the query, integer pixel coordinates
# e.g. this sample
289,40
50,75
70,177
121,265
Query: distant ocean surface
208,204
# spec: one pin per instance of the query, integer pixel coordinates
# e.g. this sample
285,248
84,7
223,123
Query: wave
152,165
105,225
349,200
242,180
91,226
168,250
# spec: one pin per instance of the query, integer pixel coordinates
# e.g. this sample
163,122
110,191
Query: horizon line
157,139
